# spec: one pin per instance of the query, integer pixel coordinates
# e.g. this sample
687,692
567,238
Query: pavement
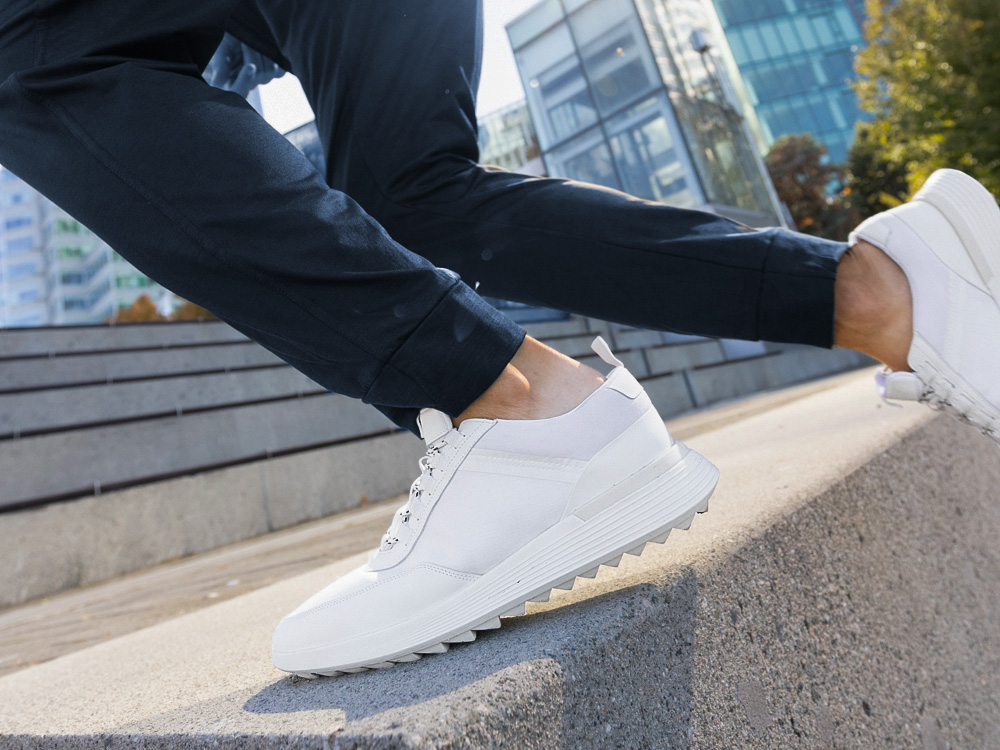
844,589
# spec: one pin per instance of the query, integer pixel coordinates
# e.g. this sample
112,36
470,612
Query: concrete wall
66,545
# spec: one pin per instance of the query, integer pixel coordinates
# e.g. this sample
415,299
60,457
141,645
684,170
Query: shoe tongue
433,424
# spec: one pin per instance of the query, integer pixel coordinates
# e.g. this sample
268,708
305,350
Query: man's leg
103,110
393,86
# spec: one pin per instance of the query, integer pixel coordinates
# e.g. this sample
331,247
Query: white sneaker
503,511
947,241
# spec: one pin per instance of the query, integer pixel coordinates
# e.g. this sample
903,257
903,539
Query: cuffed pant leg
190,185
393,86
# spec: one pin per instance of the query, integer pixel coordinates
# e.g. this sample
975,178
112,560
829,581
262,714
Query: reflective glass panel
615,53
555,86
534,22
586,159
646,157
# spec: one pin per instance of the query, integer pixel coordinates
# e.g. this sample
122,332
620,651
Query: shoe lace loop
418,489
937,395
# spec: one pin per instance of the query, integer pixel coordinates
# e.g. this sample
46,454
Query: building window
646,157
586,159
75,278
28,295
556,86
615,54
66,251
20,245
15,222
75,303
21,270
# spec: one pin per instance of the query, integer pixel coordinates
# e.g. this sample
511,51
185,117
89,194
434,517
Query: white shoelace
418,489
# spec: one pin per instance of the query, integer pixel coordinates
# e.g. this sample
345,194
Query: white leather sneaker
503,511
947,241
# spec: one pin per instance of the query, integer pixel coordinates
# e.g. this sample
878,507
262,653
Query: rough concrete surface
843,591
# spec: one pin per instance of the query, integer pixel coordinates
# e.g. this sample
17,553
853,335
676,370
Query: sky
285,106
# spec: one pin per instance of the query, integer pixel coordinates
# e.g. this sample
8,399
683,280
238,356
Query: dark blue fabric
103,109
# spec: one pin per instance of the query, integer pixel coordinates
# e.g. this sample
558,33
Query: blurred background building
632,95
55,271
507,139
796,58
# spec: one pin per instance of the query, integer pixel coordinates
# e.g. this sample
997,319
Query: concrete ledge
66,545
62,408
75,463
844,590
31,373
19,342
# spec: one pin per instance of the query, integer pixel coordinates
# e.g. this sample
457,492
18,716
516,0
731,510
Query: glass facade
796,58
621,98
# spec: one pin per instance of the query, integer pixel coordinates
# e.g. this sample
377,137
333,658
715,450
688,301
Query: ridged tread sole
492,623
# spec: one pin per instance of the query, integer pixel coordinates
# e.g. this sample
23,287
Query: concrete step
844,589
81,406
70,464
20,342
66,545
111,365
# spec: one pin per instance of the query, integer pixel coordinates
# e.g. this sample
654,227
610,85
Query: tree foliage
930,77
874,182
803,182
143,310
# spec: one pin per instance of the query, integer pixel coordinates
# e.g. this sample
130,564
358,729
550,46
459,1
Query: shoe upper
486,488
955,354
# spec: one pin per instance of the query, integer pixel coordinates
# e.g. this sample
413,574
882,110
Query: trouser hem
454,355
796,303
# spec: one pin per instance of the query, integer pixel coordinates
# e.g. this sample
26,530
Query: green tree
874,182
930,77
803,182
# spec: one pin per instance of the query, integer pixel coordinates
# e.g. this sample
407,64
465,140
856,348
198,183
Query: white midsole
569,548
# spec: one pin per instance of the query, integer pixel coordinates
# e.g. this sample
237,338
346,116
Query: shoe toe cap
359,616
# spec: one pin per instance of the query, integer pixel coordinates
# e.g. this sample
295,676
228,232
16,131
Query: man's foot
503,512
947,242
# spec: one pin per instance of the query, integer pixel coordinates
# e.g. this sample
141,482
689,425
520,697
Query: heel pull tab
600,346
433,424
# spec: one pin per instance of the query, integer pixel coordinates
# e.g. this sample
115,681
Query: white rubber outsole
571,549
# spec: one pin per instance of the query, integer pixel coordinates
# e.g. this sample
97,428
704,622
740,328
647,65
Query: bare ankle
873,306
537,383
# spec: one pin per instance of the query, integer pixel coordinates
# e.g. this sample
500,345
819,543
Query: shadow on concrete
623,661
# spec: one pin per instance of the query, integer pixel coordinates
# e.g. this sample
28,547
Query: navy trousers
363,282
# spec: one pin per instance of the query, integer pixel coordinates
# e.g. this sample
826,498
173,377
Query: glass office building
796,58
622,97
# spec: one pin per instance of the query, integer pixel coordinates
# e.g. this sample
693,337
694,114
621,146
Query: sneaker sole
621,521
